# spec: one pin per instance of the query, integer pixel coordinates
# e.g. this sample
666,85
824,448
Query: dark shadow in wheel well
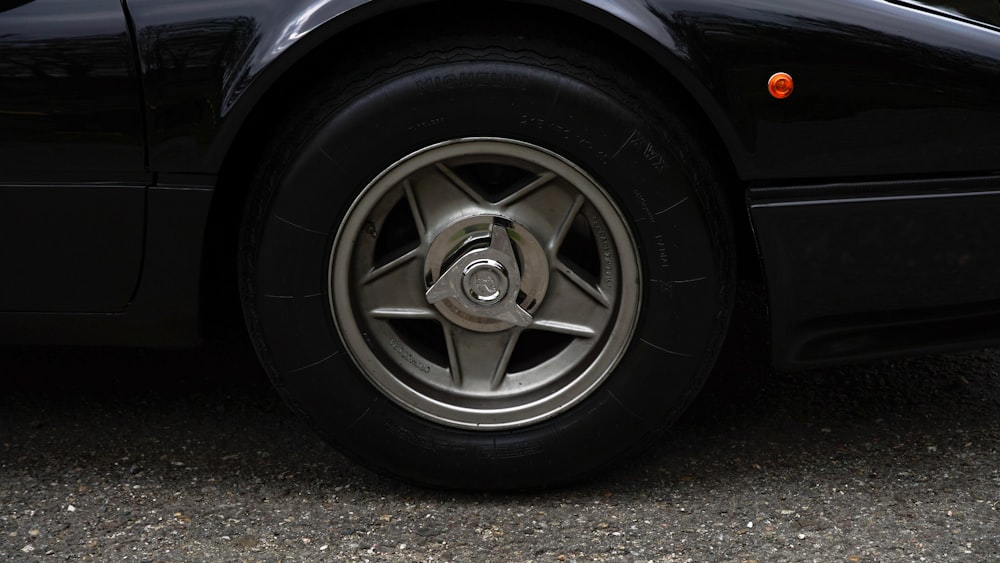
395,31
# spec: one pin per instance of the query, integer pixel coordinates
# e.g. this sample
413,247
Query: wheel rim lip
455,414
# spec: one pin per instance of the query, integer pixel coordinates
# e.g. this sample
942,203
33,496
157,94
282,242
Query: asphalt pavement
138,455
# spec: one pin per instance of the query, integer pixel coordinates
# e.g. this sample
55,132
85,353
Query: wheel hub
480,279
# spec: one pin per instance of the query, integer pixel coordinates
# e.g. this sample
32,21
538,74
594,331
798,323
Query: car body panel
973,11
858,271
69,103
72,157
926,80
927,76
930,73
70,247
164,309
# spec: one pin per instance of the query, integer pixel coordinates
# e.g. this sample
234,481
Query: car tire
504,265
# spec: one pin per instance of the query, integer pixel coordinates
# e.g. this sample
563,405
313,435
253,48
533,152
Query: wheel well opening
341,53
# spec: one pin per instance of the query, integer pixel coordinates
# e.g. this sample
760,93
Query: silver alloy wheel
485,283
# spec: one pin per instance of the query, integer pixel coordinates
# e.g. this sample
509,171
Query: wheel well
220,305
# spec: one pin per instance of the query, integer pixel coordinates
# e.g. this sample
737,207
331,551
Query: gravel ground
188,455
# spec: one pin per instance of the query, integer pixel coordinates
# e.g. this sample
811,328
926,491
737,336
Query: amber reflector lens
780,85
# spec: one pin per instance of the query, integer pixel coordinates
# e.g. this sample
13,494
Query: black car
494,244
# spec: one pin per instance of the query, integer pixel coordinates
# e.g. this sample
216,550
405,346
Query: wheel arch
638,37
631,31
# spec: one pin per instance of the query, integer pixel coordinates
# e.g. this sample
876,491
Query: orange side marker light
780,85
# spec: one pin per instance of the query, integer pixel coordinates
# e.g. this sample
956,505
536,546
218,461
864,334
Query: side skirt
858,271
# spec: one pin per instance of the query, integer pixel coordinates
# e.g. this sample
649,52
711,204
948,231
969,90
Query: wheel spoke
549,207
394,291
541,181
479,360
572,307
556,241
581,284
438,196
411,199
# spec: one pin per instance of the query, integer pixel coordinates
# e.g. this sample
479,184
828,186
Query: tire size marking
567,134
637,141
649,215
607,258
661,251
426,124
408,356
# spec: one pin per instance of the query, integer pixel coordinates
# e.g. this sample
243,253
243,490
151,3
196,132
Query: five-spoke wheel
481,283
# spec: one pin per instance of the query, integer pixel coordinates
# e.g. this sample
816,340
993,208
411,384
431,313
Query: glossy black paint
72,157
882,89
885,90
205,65
974,11
70,248
70,108
861,270
927,77
164,308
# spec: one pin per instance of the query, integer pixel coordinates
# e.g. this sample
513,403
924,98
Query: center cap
486,273
485,281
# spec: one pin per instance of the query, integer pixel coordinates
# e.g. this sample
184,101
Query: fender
928,78
206,65
917,119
